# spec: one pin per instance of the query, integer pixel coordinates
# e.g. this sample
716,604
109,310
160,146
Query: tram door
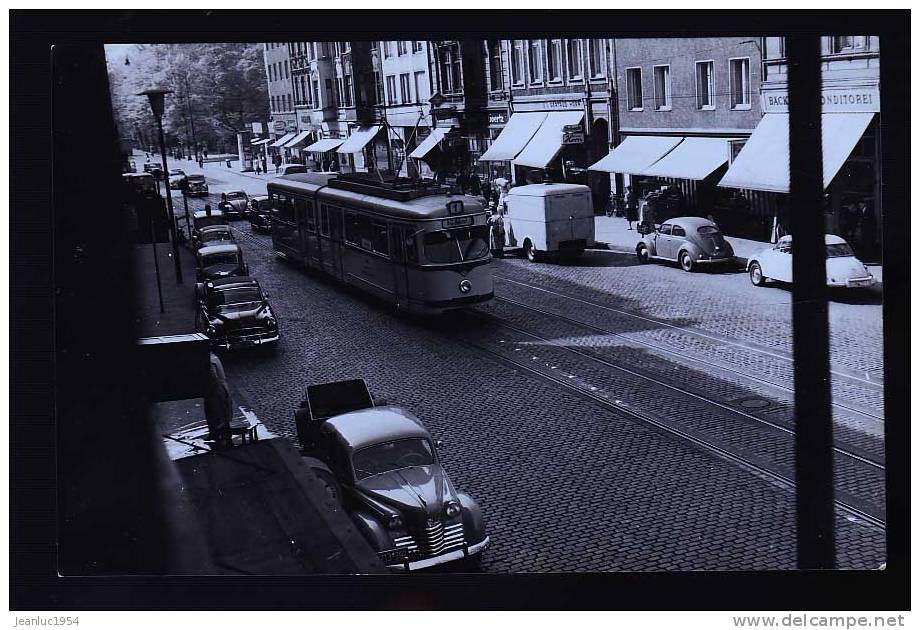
399,258
329,236
310,235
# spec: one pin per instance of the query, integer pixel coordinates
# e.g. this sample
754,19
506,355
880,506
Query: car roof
235,281
829,239
366,427
201,214
690,222
215,228
235,192
546,190
223,248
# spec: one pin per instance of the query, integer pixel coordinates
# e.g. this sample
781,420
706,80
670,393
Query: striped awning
283,139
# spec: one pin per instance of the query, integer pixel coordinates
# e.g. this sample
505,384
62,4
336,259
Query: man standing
632,206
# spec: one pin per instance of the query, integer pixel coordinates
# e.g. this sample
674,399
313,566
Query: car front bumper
450,556
249,341
853,283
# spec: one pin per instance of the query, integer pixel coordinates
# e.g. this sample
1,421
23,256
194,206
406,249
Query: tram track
847,404
845,503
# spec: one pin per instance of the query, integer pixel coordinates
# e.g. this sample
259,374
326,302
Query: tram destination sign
457,222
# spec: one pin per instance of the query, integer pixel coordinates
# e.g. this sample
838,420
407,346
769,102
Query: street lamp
157,104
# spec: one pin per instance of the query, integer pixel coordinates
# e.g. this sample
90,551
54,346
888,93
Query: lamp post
157,103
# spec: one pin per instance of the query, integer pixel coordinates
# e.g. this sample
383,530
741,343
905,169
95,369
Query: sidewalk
614,231
178,299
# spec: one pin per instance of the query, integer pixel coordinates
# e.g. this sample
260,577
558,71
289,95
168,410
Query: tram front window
450,246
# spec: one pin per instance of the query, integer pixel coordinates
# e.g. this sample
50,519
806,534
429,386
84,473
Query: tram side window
284,208
305,210
379,238
324,220
410,243
310,217
358,230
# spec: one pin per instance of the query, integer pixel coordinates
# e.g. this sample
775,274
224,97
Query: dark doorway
597,147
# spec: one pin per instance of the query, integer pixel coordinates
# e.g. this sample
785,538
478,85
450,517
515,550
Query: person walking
496,232
632,206
258,167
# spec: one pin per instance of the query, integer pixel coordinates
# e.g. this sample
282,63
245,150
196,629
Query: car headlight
211,329
452,509
270,322
395,521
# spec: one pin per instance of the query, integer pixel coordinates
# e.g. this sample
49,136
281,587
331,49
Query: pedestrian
201,162
496,232
258,167
218,406
632,206
462,182
475,186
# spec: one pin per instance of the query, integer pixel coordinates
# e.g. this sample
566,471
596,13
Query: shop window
704,85
662,87
495,65
596,58
535,60
576,62
517,62
740,88
634,89
391,89
554,60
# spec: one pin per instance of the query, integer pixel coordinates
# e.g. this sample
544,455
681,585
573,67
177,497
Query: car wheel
686,261
643,255
529,252
756,274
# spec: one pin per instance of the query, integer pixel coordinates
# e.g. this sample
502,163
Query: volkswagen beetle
689,241
234,203
844,270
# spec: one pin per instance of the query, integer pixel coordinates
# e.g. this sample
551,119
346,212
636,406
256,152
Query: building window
378,86
338,49
391,89
317,102
517,62
662,87
554,60
535,60
774,47
634,89
387,49
347,89
451,77
704,85
401,48
405,90
495,65
849,43
416,46
287,70
740,76
331,99
419,85
596,58
305,90
576,63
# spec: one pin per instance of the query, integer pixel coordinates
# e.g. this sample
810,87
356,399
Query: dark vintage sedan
234,203
383,465
689,241
235,314
219,261
197,186
202,219
212,235
260,219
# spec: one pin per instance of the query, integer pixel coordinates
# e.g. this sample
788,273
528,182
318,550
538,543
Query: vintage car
177,179
197,186
219,261
212,235
234,203
383,466
690,241
235,314
260,219
154,168
202,219
844,270
288,169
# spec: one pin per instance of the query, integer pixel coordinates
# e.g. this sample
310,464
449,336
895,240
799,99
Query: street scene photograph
511,305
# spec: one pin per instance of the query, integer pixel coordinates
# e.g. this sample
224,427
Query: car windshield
839,250
449,246
230,299
236,195
176,172
387,456
708,230
196,178
216,235
220,259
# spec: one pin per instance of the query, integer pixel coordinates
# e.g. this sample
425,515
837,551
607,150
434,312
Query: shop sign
291,125
258,128
498,118
443,113
833,99
279,125
573,134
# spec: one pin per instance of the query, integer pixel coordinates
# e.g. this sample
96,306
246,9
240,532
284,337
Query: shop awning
514,137
763,163
298,139
358,139
260,141
635,154
283,139
694,158
326,144
545,145
437,134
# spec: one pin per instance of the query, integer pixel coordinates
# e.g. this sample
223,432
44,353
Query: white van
549,219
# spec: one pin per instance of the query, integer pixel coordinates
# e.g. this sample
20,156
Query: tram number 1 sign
455,207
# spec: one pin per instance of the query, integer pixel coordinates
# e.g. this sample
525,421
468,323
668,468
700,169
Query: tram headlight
466,286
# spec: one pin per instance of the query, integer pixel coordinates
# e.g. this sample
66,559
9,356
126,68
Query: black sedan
260,219
235,314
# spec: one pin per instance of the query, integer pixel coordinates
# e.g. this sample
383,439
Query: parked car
201,219
235,314
555,219
197,186
260,219
690,241
288,169
177,179
383,466
218,261
154,168
843,268
212,235
234,203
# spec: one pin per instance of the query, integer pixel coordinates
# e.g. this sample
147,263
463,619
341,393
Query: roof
235,192
690,222
233,281
223,248
546,190
829,239
372,426
201,214
215,228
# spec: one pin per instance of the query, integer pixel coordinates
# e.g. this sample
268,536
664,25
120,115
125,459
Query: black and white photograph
543,298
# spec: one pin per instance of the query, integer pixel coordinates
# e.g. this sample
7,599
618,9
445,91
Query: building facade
280,87
403,89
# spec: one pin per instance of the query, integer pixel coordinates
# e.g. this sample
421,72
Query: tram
412,244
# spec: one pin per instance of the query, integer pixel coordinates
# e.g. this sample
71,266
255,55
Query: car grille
242,334
436,538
